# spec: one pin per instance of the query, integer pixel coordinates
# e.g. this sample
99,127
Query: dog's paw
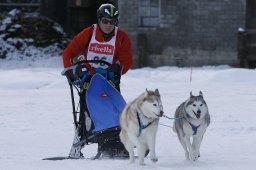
197,155
193,156
154,159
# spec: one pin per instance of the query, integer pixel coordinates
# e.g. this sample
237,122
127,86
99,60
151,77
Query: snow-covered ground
36,119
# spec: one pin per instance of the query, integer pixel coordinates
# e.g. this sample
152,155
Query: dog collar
141,125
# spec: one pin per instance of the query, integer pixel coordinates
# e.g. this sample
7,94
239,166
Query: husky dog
139,124
191,120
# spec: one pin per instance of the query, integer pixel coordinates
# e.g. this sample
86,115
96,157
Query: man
101,41
106,42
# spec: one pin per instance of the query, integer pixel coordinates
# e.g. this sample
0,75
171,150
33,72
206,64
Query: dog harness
194,128
141,125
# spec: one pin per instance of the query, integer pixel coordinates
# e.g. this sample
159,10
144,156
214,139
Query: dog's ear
200,94
150,92
147,91
191,95
157,92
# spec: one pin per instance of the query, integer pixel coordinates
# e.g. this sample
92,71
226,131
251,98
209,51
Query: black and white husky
139,124
191,120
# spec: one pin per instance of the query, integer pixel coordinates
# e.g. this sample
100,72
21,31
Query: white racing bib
101,50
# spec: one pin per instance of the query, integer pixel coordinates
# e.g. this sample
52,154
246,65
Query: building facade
183,33
167,32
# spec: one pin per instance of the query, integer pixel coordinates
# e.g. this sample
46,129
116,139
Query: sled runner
96,114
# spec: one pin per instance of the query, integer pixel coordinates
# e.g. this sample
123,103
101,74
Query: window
149,12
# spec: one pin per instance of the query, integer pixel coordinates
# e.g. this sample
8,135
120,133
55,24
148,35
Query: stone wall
191,32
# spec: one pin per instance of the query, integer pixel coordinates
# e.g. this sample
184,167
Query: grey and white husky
191,120
139,124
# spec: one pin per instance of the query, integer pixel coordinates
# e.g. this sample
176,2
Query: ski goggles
106,21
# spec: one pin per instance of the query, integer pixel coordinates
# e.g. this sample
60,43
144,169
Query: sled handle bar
93,61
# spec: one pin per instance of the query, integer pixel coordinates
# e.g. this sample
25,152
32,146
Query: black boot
112,150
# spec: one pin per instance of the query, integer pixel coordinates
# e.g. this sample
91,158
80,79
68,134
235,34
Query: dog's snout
161,113
198,115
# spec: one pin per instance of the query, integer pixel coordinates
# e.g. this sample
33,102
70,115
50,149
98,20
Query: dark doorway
250,14
83,15
73,15
247,38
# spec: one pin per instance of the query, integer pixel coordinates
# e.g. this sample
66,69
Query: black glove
116,68
74,73
79,70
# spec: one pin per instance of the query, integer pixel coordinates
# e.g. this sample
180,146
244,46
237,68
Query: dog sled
97,110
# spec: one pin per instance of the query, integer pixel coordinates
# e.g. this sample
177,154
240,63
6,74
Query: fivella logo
102,48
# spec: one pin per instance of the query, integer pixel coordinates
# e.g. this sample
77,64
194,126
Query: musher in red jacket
101,41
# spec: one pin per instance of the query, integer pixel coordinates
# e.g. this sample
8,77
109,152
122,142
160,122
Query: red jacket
79,45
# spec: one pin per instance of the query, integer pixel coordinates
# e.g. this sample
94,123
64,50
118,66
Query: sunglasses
112,22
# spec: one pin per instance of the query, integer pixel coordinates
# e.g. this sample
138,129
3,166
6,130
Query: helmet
107,11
